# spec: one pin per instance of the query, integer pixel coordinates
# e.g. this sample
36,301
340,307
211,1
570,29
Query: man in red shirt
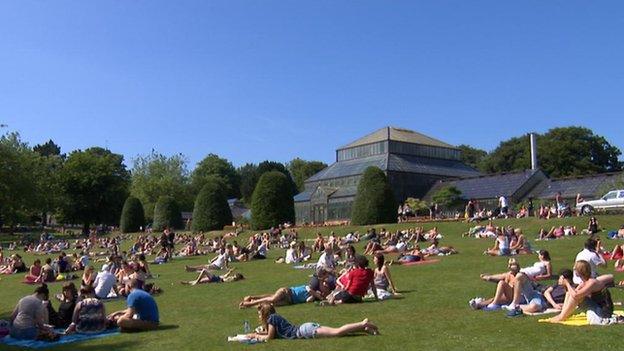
359,280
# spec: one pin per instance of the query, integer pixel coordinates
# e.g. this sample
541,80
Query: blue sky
257,80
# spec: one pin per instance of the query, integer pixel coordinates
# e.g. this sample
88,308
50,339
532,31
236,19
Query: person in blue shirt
142,311
276,327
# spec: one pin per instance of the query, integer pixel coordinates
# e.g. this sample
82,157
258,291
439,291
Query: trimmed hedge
132,216
167,214
272,201
374,202
211,210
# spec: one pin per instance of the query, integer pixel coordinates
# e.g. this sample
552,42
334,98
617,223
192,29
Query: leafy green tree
272,202
302,170
419,207
48,148
211,211
268,166
167,214
19,180
157,175
248,178
566,151
471,156
374,202
448,197
94,185
132,216
214,166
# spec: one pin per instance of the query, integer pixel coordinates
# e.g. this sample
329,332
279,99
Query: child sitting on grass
276,327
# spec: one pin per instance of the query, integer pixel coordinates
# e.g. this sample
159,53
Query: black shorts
345,297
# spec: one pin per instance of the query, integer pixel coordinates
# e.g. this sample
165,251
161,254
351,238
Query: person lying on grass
504,288
206,277
284,297
276,327
218,262
411,256
525,292
592,294
141,304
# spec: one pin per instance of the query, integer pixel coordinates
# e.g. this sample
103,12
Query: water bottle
246,327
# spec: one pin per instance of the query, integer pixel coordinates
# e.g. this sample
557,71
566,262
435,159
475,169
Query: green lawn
434,314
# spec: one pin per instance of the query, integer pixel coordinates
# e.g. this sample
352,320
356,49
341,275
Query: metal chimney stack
533,138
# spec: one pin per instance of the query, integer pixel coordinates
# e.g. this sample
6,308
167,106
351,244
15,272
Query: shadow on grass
167,327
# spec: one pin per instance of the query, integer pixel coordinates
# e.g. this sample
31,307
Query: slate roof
588,186
303,196
398,134
488,186
397,163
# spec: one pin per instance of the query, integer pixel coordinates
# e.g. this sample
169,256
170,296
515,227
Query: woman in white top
523,291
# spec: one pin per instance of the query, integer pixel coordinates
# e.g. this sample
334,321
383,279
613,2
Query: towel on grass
578,320
65,339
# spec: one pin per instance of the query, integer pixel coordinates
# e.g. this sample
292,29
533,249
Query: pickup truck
613,200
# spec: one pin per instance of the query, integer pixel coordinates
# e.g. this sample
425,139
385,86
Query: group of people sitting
518,290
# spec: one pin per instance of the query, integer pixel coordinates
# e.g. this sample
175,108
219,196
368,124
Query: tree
167,214
272,201
374,201
447,197
213,165
248,178
132,216
269,166
48,148
302,170
419,207
156,175
567,151
471,156
19,180
94,185
211,211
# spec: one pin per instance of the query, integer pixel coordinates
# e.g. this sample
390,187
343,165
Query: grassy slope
434,313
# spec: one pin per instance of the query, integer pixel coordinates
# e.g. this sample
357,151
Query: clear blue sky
256,80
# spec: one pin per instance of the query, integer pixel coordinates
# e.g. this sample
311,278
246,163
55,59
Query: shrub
374,202
448,197
211,211
272,201
132,216
167,214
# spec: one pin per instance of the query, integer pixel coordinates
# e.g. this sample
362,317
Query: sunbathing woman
276,327
411,256
504,289
34,275
383,280
592,293
283,297
501,245
520,245
206,277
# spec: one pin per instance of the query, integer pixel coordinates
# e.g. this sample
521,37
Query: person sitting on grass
520,245
504,289
30,316
34,275
592,294
89,316
590,255
382,278
276,327
525,292
63,317
206,277
359,280
501,246
141,304
555,294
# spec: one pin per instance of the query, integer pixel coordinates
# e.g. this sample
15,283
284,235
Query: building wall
362,151
397,147
406,185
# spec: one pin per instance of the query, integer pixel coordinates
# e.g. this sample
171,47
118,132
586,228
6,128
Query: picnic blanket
65,339
70,278
578,320
433,260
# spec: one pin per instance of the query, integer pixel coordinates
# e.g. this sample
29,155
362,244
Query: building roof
588,186
396,163
487,186
398,134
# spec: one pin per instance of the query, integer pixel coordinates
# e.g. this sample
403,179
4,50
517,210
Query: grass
433,314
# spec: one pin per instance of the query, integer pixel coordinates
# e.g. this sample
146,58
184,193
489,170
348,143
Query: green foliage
302,170
132,216
48,148
471,156
214,166
211,211
272,202
447,197
167,214
616,183
567,151
374,202
94,185
250,174
419,207
156,175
